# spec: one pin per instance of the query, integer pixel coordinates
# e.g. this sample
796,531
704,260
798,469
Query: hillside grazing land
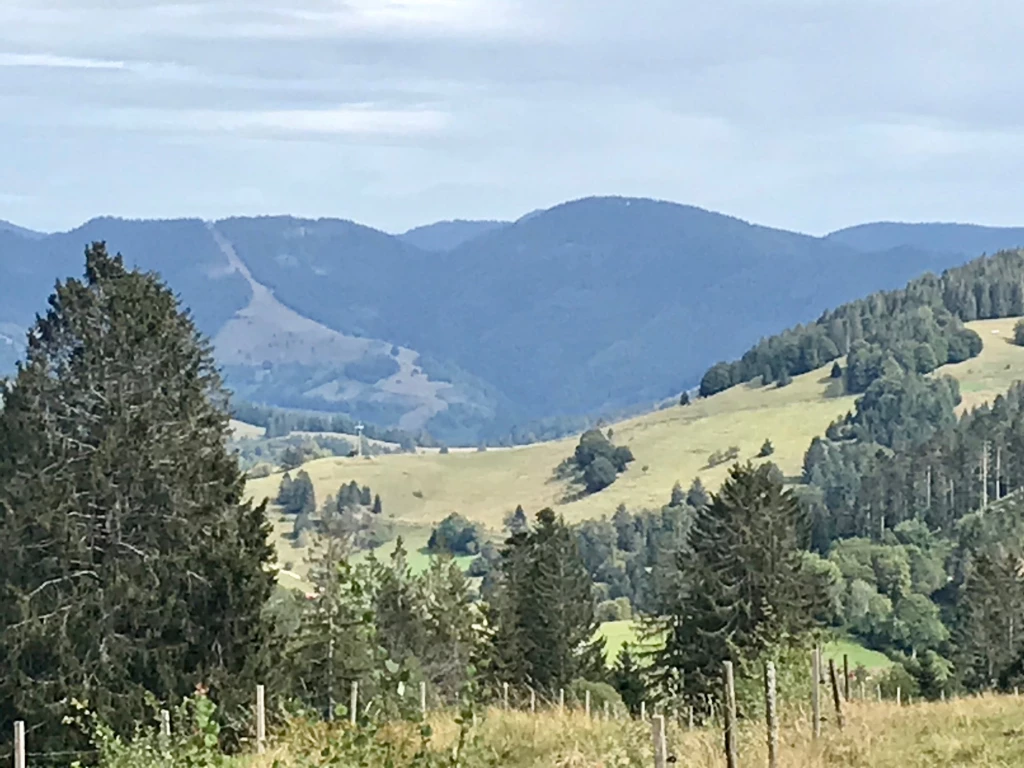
673,444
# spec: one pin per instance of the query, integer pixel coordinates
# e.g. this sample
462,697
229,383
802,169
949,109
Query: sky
804,114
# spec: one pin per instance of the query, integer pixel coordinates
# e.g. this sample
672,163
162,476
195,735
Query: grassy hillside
418,490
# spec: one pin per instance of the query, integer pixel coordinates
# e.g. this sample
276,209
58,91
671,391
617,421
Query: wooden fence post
504,695
561,698
660,744
533,700
586,703
423,698
261,719
837,699
846,676
165,723
816,692
770,710
730,716
353,702
19,744
878,692
643,711
689,717
861,686
898,702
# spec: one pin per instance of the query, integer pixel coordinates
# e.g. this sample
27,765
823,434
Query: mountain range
472,329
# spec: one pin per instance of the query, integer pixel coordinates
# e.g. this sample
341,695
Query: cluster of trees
597,462
920,326
456,535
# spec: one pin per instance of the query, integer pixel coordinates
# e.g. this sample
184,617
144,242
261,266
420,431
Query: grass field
418,490
965,733
618,633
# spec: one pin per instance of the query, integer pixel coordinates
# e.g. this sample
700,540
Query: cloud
804,113
60,62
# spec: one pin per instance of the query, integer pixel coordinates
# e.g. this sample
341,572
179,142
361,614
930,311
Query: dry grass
983,732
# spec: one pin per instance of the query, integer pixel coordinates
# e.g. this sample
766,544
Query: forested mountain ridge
920,327
525,328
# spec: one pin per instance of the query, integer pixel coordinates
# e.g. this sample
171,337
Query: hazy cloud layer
810,114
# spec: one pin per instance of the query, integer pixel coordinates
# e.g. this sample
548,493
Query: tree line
920,326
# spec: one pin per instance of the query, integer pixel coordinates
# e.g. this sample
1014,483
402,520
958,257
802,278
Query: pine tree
697,497
627,679
678,498
377,506
336,642
543,612
746,587
517,522
559,608
129,561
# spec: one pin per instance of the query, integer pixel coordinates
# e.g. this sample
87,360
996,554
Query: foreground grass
984,732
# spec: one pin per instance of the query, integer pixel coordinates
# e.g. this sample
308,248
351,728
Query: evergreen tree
543,614
678,498
377,506
697,497
627,679
747,589
837,370
128,559
517,522
767,449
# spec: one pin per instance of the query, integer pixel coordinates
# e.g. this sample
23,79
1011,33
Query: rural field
966,733
670,445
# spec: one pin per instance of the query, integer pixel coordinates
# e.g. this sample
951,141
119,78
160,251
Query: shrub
457,535
600,693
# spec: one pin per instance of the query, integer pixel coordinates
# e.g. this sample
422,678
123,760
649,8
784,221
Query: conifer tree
746,589
128,559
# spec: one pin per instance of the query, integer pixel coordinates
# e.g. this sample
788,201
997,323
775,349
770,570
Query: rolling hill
486,330
673,444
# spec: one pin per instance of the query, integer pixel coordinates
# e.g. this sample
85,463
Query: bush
766,450
1018,333
457,535
599,474
600,693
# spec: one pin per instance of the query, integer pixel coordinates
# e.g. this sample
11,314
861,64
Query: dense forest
920,326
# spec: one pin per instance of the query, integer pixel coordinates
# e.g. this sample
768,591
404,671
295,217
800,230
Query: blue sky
805,114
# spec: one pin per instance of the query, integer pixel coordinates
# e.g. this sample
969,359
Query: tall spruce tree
746,590
544,610
128,559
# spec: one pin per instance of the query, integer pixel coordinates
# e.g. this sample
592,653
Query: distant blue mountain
965,239
588,307
6,226
446,235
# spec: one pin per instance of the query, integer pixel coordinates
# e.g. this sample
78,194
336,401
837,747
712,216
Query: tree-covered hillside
920,327
529,328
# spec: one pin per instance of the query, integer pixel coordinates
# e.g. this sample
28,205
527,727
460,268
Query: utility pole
359,440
